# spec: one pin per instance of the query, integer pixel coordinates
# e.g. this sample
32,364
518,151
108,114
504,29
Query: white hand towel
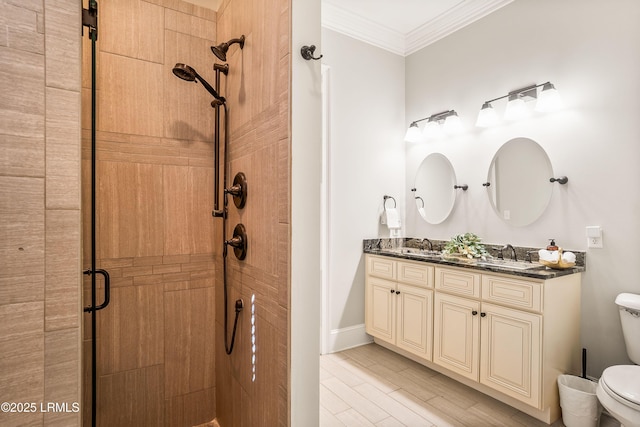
568,257
392,218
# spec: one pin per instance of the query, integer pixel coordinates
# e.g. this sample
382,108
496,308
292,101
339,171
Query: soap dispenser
552,245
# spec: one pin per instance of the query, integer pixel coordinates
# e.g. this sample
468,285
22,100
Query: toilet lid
624,380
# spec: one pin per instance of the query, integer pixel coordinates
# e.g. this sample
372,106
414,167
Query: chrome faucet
428,242
513,251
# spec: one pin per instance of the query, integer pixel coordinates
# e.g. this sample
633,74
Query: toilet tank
629,305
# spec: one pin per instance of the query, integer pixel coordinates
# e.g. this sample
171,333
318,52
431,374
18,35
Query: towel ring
420,198
385,201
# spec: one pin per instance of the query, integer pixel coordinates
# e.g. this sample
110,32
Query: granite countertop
542,273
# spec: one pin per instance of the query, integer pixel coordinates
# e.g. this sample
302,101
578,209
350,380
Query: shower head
221,50
187,73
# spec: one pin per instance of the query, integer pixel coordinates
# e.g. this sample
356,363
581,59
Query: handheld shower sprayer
221,50
239,189
188,74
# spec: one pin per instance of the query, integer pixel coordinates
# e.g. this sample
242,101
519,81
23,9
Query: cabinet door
414,320
511,353
456,334
380,308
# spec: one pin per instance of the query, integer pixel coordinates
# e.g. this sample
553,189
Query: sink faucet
513,251
528,257
429,243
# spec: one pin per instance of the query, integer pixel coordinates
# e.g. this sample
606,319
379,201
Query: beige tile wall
257,90
40,208
156,236
154,137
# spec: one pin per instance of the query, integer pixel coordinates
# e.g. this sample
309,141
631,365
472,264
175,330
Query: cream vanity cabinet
399,303
505,335
496,345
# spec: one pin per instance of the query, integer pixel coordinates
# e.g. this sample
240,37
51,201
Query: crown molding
455,18
352,25
452,20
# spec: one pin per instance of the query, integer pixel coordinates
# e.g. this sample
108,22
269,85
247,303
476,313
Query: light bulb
413,133
452,124
487,116
549,99
432,130
516,109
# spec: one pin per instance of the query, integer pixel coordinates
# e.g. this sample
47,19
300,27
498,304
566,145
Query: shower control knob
238,242
238,190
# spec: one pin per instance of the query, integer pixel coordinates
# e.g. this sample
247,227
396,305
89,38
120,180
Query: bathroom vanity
506,332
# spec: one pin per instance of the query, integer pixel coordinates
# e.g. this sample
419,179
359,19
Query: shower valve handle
235,242
234,190
238,242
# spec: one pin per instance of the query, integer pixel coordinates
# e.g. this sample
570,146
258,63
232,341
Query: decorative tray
558,264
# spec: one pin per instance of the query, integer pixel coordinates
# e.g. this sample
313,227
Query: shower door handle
107,290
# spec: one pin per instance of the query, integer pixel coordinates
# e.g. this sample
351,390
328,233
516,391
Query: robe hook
308,51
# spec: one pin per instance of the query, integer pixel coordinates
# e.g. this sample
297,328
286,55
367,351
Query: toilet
619,387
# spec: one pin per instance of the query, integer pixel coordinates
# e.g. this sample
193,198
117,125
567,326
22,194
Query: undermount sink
503,264
415,251
509,264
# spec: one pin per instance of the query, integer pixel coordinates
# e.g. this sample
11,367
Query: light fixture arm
527,90
435,117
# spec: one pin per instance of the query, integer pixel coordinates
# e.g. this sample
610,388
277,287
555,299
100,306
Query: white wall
366,161
591,52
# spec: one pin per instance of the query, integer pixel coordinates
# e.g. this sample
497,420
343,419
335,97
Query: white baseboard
349,337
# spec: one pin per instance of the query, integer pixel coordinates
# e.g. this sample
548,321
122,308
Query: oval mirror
519,187
433,188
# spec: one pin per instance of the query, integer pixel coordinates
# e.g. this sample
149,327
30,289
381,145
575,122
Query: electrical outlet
594,242
594,236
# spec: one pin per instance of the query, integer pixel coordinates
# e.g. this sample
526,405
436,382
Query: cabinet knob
483,314
474,312
398,292
392,291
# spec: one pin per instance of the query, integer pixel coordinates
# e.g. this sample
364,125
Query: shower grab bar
107,290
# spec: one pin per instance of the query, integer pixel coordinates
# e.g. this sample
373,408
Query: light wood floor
372,386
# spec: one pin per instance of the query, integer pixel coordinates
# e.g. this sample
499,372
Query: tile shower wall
258,93
39,208
156,236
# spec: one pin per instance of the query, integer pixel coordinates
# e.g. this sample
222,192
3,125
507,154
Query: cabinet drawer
458,281
381,267
413,273
517,293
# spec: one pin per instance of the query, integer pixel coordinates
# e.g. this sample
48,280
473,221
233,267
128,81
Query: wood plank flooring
370,386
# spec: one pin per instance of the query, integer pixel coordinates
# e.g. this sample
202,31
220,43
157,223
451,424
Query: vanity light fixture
437,124
547,100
